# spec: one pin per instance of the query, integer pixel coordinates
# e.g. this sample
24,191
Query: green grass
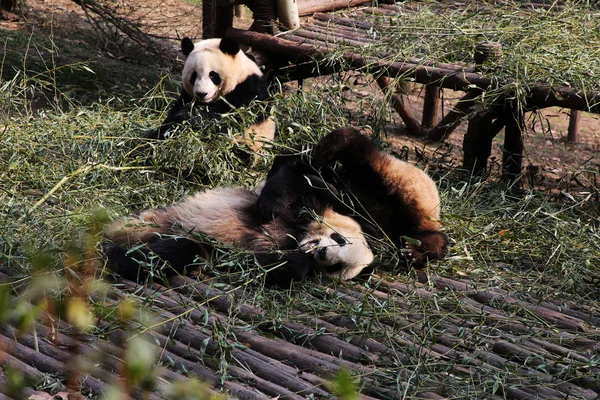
64,162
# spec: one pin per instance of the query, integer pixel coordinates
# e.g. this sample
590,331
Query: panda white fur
391,199
218,76
331,243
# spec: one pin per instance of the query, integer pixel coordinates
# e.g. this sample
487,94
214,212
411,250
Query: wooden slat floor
488,334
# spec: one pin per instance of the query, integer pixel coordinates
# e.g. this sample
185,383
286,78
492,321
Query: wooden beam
411,122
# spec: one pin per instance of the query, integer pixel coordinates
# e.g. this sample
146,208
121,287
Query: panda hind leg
433,246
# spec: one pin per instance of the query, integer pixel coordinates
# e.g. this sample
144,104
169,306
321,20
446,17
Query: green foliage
344,387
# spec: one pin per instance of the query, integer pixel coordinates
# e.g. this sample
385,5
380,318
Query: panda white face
214,67
337,245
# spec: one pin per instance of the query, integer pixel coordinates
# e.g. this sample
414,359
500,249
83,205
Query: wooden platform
533,349
327,42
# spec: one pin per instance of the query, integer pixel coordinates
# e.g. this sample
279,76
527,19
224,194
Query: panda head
214,68
337,245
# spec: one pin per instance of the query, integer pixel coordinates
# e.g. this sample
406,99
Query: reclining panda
218,77
308,216
321,240
391,199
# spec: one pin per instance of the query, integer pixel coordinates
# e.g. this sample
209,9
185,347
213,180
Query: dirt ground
555,162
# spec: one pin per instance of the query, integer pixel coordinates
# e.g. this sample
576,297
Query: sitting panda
289,247
390,198
218,77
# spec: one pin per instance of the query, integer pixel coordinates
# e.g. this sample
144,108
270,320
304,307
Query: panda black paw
428,246
294,268
341,143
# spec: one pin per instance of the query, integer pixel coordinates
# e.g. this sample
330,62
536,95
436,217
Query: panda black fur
332,243
390,198
217,77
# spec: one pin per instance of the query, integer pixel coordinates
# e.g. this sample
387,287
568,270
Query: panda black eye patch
215,77
339,239
193,77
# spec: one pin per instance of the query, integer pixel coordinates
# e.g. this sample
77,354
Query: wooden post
431,106
239,11
215,19
449,123
573,134
477,143
412,125
512,157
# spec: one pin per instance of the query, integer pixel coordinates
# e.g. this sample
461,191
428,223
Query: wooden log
454,117
543,95
326,38
239,11
573,133
334,19
552,316
378,11
477,143
431,106
540,95
215,19
346,36
512,154
47,364
412,125
307,7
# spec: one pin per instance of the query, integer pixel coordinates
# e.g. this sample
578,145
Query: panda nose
201,95
322,253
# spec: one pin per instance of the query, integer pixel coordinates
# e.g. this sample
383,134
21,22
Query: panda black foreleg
285,268
179,112
343,144
158,257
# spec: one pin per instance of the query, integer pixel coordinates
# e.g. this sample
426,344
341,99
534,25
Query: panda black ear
187,46
229,46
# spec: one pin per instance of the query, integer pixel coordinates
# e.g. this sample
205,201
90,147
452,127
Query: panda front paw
426,247
338,145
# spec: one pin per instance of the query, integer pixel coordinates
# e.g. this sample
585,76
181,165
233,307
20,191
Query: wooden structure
482,338
320,34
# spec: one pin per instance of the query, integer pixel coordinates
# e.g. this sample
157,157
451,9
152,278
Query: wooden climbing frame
318,35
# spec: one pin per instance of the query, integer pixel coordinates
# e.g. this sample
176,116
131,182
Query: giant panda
391,199
218,77
319,240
